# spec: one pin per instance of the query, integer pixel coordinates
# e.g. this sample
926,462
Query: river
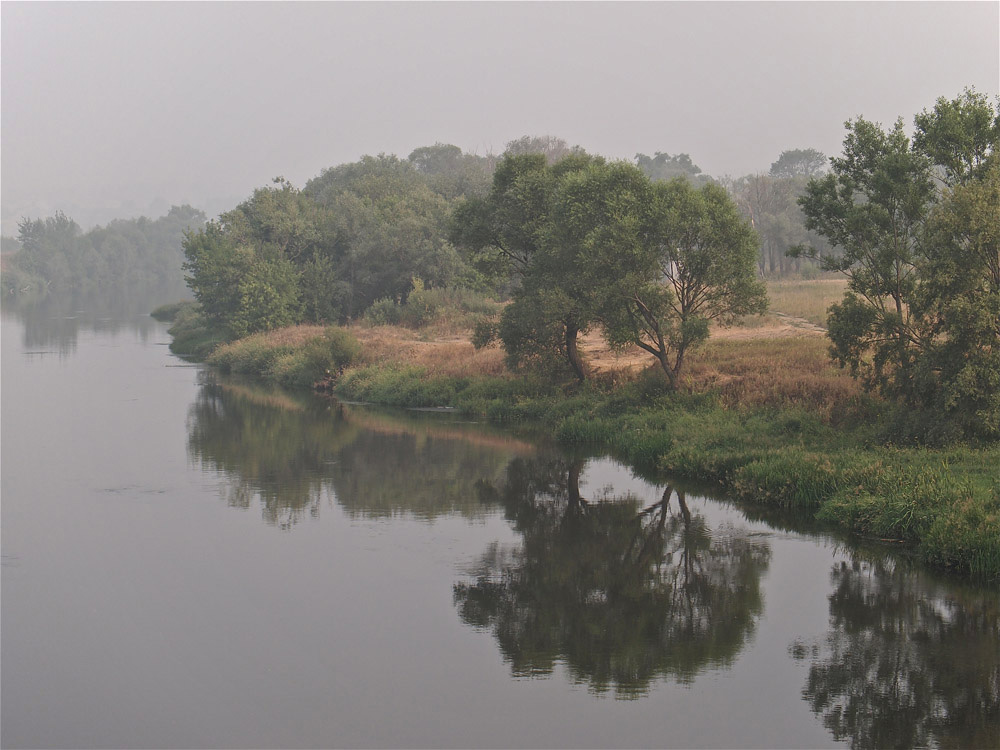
195,562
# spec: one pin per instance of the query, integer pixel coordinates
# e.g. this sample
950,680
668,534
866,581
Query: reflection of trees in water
290,453
268,450
55,321
416,473
621,594
908,663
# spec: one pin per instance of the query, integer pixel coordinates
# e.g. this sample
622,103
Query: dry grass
450,354
775,365
807,300
293,336
769,361
785,371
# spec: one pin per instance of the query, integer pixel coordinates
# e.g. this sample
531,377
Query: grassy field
807,300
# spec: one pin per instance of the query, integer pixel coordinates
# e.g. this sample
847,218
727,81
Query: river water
191,562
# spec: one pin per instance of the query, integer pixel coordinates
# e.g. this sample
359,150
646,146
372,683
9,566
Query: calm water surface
190,562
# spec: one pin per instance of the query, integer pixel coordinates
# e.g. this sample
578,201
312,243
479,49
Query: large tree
917,224
514,234
687,261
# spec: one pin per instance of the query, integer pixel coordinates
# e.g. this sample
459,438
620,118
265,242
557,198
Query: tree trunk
572,353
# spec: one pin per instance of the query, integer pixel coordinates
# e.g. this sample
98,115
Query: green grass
297,357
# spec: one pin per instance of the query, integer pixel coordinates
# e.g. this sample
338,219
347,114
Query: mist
118,109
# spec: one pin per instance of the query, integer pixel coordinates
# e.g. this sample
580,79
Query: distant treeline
56,254
391,213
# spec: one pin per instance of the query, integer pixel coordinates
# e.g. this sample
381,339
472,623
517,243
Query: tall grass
807,299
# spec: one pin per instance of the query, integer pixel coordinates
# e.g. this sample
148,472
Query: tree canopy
916,224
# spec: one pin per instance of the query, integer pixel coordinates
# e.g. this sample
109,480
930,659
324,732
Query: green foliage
450,173
662,166
554,149
289,363
689,259
168,313
806,162
355,234
383,312
423,307
486,331
959,135
193,335
268,297
919,322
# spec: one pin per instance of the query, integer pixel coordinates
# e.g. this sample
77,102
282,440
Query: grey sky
107,108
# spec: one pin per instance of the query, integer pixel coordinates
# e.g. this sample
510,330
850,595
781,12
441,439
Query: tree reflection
269,445
55,322
907,662
290,452
621,594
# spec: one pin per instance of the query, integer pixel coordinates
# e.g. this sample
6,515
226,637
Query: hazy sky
108,107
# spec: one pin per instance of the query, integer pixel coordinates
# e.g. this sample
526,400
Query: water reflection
290,452
909,661
621,594
52,323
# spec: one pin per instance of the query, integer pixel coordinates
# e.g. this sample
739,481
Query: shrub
383,312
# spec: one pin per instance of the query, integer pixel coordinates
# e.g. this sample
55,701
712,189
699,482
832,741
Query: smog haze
119,109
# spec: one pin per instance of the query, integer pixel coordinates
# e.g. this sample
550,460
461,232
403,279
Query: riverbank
763,416
944,503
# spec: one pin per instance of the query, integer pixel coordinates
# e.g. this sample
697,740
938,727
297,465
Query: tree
510,234
622,595
381,226
872,205
215,267
906,664
663,166
917,223
959,135
959,300
799,162
269,296
691,265
552,148
500,232
450,173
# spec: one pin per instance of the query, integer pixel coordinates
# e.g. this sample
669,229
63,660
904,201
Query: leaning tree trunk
573,353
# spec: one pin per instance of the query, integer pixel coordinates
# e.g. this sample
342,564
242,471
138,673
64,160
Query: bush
193,336
281,359
486,332
168,313
383,312
424,307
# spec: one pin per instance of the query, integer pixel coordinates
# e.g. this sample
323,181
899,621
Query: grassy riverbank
762,415
944,502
